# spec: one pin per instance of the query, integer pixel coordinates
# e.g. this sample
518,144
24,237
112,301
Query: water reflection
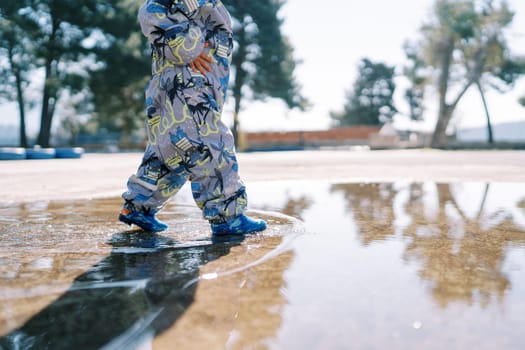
75,280
460,255
240,310
296,206
138,293
372,208
393,265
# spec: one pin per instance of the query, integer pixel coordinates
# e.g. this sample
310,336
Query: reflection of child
191,44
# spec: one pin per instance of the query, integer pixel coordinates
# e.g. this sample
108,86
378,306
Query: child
191,44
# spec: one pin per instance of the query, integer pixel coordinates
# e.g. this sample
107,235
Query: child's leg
218,189
216,185
215,182
220,193
149,190
142,194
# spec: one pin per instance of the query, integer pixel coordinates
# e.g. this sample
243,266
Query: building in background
297,140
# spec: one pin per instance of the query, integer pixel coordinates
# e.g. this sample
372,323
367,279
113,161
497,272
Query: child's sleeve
175,35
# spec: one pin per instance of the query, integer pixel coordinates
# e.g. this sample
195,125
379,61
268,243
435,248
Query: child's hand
201,63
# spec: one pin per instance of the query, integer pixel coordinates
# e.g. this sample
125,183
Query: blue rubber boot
147,222
239,226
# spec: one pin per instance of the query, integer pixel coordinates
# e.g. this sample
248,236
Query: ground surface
365,250
100,175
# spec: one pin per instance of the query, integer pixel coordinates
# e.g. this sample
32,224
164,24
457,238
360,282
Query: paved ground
98,175
433,271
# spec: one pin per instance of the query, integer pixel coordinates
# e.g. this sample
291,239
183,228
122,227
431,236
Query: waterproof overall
187,141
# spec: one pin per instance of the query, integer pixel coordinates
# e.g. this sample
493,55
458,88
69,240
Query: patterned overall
187,141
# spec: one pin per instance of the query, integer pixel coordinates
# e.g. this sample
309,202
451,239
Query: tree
417,76
370,101
464,46
87,47
501,70
61,31
263,58
15,48
117,83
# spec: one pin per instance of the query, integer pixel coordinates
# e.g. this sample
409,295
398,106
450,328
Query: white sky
330,38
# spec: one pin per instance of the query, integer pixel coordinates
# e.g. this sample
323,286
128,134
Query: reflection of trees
372,208
294,207
461,257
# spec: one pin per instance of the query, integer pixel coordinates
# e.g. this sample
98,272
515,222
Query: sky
330,38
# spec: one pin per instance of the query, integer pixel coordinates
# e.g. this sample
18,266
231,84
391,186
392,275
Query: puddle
73,277
390,265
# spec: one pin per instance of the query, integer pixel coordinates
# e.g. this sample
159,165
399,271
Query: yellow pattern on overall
187,139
